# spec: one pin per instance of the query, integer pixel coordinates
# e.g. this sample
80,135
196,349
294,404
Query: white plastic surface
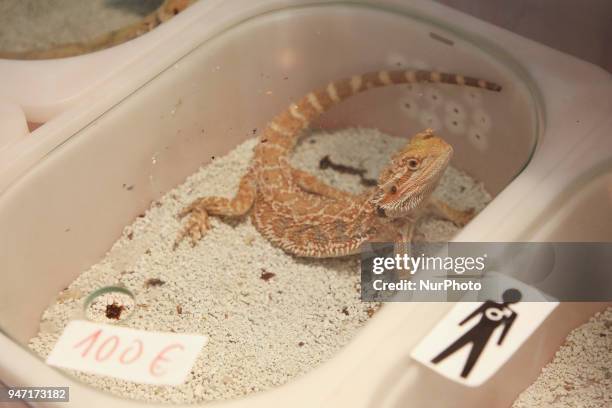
13,123
46,88
222,87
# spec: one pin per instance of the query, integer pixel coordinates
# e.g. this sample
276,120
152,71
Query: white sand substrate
269,316
580,374
27,25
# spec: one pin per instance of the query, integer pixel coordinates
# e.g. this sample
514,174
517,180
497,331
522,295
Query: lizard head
412,175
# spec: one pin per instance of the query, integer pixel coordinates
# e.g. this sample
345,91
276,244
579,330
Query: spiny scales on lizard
306,217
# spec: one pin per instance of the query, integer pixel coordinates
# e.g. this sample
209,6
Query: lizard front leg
201,208
442,210
403,239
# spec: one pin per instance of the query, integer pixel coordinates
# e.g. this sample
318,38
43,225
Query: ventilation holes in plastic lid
430,120
455,110
409,106
478,138
434,96
482,120
454,124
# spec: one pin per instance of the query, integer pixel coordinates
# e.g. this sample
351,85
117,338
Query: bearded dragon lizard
306,217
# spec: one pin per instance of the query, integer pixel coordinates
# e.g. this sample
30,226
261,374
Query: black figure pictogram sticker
492,315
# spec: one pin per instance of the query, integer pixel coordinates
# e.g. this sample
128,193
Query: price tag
134,355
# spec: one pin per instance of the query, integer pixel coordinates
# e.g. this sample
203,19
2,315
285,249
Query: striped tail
288,125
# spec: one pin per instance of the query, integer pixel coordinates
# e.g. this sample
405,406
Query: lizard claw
190,208
196,225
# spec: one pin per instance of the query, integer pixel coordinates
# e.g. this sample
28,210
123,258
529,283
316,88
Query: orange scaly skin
304,216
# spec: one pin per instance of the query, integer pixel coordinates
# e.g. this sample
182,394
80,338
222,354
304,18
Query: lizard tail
285,128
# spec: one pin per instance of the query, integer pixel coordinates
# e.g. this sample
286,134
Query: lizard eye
413,164
393,189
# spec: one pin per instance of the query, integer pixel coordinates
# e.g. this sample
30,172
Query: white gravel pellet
269,316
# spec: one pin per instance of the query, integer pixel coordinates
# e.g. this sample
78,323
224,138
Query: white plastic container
203,89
